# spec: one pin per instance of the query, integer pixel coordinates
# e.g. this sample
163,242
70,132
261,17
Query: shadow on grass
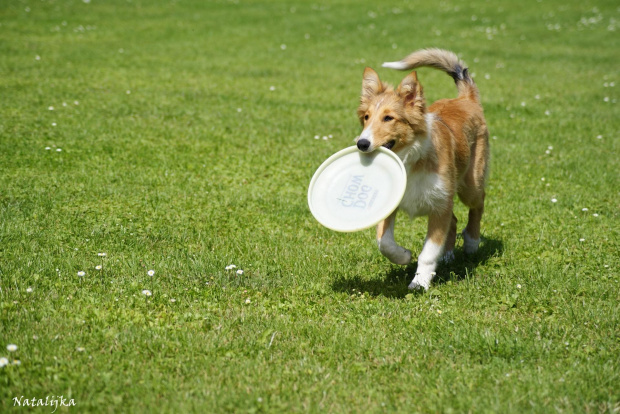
395,281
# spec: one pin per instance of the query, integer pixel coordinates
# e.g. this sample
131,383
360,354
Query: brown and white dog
445,149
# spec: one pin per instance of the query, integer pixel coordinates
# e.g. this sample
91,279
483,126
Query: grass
181,140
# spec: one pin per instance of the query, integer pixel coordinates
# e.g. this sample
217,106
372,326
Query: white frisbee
353,190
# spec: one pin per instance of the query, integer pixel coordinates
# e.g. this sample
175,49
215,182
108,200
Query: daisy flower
150,273
11,347
101,254
81,273
239,272
29,290
98,267
231,267
3,362
147,292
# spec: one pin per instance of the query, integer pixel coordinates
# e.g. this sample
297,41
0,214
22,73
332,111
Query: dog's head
390,118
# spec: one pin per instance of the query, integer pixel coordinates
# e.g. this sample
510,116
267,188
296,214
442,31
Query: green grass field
179,137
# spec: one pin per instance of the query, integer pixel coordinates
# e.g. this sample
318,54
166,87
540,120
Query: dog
445,150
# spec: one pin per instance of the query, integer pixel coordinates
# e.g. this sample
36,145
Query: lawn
146,147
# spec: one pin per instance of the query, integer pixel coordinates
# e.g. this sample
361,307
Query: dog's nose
363,144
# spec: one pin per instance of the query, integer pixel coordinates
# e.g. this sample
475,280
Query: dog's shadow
394,282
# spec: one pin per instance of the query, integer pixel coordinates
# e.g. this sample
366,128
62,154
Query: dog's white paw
421,281
470,245
395,253
400,257
448,257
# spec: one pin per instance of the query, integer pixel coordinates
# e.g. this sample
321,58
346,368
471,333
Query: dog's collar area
390,144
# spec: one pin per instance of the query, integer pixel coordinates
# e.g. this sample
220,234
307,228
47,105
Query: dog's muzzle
390,144
363,144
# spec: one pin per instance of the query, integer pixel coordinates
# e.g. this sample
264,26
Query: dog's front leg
387,245
438,228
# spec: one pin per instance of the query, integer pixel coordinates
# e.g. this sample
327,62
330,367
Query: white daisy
81,273
150,273
101,254
147,292
29,290
98,267
11,347
239,272
248,301
231,267
3,362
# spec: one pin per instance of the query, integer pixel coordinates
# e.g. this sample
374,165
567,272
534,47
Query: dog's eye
366,117
387,118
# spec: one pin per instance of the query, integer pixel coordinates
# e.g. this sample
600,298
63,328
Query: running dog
445,150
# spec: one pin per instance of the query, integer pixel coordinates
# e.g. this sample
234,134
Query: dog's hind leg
448,250
471,192
471,233
387,245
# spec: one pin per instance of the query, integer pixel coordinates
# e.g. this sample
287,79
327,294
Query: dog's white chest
425,192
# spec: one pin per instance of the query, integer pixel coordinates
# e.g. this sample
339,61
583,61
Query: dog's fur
445,149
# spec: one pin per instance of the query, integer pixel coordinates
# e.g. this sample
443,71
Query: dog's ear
410,89
371,84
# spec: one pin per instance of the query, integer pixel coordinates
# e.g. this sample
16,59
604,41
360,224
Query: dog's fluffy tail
443,60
